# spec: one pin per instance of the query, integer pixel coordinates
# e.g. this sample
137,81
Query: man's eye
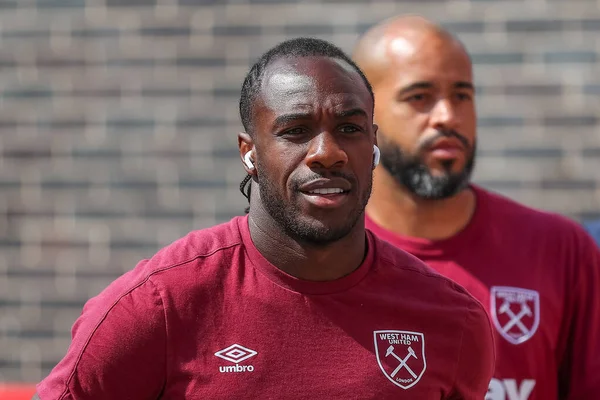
294,131
416,97
463,96
349,129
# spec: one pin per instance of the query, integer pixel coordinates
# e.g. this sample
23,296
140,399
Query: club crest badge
401,356
515,312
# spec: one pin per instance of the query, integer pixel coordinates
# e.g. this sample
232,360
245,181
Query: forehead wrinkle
291,86
286,85
289,82
342,102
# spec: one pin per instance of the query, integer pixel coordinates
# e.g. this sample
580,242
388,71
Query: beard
412,172
306,228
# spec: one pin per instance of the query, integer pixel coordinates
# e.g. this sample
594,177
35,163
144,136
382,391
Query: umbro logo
236,354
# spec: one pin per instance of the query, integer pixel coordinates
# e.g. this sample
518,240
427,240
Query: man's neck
394,208
302,260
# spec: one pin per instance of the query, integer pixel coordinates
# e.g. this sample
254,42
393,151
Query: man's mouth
325,191
446,148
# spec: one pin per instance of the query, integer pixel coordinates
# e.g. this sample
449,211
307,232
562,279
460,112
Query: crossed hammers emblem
515,319
411,353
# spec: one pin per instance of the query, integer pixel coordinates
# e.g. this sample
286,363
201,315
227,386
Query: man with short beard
537,273
294,300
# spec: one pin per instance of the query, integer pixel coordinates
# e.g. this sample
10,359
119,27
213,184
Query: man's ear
375,129
246,147
376,151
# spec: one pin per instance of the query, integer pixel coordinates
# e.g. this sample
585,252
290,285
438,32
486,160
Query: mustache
445,133
297,182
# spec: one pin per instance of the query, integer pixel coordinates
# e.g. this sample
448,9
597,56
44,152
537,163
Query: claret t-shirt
208,317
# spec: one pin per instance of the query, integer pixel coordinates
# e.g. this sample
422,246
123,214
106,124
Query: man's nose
325,152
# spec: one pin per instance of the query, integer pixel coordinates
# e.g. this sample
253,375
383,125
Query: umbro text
236,368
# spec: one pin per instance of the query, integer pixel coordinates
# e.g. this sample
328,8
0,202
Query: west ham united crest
401,356
515,312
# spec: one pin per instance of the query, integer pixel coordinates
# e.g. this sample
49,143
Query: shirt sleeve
118,347
579,376
477,356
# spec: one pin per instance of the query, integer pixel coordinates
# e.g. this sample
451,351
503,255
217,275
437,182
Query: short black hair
299,47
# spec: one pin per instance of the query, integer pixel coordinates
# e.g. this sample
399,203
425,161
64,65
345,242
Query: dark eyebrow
464,85
352,113
429,85
287,118
415,86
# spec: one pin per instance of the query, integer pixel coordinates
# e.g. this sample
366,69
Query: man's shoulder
438,297
524,217
418,274
195,255
200,243
388,253
198,249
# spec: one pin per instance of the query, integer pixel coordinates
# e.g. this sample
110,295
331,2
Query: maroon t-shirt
209,318
538,274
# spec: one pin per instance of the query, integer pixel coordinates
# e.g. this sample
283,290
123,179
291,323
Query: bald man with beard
537,273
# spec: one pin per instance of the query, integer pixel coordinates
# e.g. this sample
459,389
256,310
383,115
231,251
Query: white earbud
376,155
248,161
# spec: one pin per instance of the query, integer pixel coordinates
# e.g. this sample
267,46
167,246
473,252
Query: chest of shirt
525,300
298,347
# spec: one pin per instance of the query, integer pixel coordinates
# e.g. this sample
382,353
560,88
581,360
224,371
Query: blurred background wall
118,122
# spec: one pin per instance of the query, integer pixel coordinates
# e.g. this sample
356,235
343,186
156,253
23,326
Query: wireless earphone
248,161
376,155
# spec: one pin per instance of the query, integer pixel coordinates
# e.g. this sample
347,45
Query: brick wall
118,122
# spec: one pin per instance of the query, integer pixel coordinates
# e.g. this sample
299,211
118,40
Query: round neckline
303,286
468,235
